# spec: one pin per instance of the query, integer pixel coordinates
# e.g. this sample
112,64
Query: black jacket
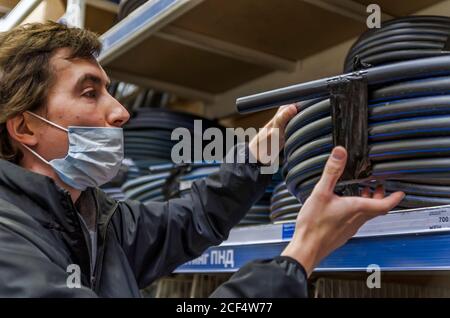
41,235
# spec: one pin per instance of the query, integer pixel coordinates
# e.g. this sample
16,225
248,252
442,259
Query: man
60,138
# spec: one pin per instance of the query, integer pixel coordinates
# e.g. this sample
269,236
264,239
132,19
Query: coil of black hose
399,40
283,205
409,118
148,146
409,137
148,133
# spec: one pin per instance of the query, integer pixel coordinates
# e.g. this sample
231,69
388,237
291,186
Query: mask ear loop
47,121
36,154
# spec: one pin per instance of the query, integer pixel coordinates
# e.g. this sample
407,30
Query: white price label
439,219
409,221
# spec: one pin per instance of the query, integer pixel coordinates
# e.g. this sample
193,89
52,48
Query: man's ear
22,129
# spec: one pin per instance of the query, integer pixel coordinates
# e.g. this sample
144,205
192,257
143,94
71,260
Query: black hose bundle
399,40
147,136
148,187
409,139
166,181
283,205
148,146
128,6
408,124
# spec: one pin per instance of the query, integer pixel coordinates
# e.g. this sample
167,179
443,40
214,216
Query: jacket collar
41,198
43,191
50,197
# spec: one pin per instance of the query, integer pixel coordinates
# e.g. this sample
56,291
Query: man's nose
118,114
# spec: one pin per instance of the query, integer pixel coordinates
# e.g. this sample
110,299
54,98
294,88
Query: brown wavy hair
25,71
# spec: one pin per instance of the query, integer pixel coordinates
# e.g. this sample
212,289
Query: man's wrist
252,155
304,251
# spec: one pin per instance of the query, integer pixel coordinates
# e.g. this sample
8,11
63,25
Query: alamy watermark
373,21
74,278
223,146
374,279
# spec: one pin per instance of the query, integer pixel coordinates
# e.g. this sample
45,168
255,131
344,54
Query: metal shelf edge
384,241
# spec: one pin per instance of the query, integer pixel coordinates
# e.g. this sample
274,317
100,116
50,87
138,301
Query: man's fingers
374,207
333,170
365,193
284,115
379,192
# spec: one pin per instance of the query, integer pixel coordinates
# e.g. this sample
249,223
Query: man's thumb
333,169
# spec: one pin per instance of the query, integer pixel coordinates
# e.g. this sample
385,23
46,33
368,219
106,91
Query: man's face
78,97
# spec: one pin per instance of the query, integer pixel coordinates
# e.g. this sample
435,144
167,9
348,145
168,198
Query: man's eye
90,94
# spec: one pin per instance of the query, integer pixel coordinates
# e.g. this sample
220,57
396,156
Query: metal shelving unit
218,50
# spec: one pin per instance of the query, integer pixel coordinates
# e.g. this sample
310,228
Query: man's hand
273,129
327,221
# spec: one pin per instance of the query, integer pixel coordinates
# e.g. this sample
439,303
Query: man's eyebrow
91,78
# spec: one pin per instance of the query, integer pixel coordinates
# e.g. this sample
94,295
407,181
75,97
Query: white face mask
94,157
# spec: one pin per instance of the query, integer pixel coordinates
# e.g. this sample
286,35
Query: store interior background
203,55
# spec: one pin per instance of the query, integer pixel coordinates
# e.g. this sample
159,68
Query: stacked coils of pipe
399,40
283,205
409,120
148,144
